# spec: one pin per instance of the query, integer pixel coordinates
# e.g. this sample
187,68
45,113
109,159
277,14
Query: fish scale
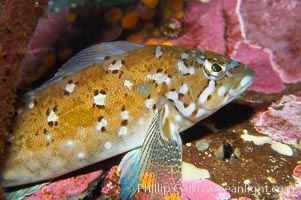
102,100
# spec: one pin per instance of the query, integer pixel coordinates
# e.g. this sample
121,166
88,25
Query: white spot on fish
31,105
58,163
52,117
193,52
128,84
184,89
184,55
229,74
172,95
101,124
208,91
115,65
245,81
70,143
149,103
178,118
159,78
69,88
158,52
183,69
48,138
108,145
201,113
200,61
233,64
33,165
185,111
81,131
125,115
233,92
221,91
141,121
123,131
100,99
80,155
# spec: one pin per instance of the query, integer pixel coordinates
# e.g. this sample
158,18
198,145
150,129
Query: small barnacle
202,145
171,29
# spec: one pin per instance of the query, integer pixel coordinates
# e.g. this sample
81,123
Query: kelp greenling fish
114,97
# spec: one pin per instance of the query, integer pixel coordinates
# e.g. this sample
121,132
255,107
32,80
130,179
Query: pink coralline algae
297,172
67,187
203,189
281,121
229,27
203,26
41,45
293,192
244,198
197,189
264,34
59,36
266,79
111,183
191,189
275,25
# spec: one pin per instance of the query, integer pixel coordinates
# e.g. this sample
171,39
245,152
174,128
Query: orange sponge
113,15
150,3
129,21
175,4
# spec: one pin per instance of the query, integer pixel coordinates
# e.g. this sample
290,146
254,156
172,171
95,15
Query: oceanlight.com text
193,188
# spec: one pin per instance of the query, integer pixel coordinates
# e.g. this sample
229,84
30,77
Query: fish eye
214,70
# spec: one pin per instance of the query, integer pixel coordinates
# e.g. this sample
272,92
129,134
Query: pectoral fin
22,193
156,166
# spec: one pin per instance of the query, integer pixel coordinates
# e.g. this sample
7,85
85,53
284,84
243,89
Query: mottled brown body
104,109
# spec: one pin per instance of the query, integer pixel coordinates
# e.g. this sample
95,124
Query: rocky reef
252,149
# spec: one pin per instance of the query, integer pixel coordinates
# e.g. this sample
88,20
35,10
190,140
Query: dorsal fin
89,56
94,54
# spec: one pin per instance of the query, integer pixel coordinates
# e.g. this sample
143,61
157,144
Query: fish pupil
216,68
